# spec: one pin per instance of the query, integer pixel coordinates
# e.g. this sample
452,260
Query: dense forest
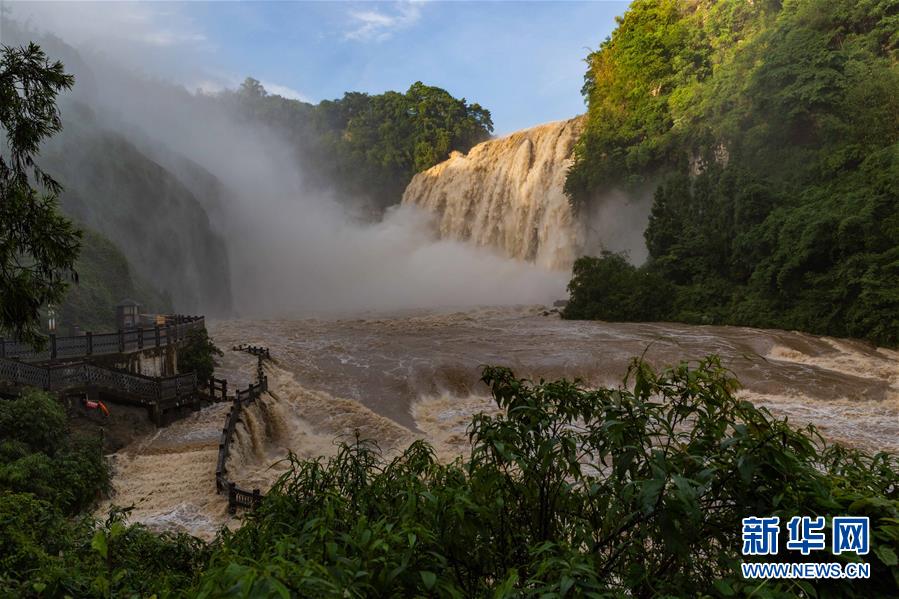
770,132
367,147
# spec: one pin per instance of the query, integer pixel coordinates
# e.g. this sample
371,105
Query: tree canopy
369,146
772,132
38,246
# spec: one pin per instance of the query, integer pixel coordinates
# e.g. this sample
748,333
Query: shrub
569,491
610,288
38,456
199,355
31,533
34,419
44,555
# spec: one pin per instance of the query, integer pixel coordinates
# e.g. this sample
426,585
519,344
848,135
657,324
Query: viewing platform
133,366
174,330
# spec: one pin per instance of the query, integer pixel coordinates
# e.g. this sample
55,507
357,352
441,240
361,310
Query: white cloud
284,91
377,25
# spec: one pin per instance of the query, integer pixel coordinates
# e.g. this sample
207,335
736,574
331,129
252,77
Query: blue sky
521,60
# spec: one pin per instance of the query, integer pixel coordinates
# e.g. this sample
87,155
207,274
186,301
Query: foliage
610,288
45,555
198,355
139,562
38,246
46,478
773,129
369,146
31,532
569,491
38,456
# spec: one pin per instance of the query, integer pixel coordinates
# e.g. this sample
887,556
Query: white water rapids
401,376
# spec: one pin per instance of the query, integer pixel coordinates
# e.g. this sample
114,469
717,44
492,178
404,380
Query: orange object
103,408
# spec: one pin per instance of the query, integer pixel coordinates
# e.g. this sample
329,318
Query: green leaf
724,588
428,578
886,555
98,544
649,493
807,588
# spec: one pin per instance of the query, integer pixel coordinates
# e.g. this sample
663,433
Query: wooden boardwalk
65,366
174,332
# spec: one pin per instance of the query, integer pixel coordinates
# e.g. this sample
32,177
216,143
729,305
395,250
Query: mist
292,252
615,222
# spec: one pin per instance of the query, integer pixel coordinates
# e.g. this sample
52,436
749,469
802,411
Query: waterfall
507,193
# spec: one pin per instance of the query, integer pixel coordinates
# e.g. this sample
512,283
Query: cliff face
153,217
508,193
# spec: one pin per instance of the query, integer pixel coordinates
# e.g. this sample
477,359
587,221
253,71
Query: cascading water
394,377
508,193
306,422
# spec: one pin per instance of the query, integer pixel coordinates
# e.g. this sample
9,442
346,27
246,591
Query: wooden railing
258,351
217,389
173,332
61,377
159,394
237,497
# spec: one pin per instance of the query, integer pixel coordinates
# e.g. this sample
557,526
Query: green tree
38,246
198,355
610,288
369,146
772,131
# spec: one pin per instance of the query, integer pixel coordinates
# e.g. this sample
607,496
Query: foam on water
397,377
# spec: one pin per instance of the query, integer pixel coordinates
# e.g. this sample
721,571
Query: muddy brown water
401,376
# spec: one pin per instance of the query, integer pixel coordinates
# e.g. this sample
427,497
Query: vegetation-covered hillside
772,132
105,278
157,222
367,147
142,216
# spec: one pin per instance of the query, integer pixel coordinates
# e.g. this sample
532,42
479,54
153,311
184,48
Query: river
398,376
